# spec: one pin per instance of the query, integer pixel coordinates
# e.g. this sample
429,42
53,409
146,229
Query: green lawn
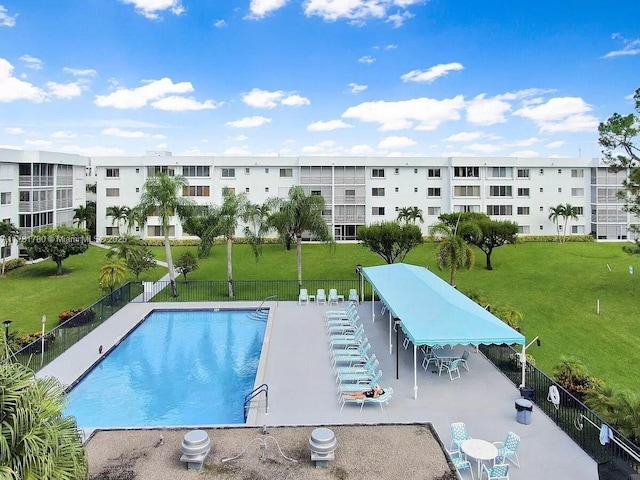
555,286
31,291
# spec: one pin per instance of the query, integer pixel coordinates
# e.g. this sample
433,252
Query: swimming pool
187,367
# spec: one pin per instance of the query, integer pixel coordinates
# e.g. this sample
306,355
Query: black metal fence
248,290
576,419
65,335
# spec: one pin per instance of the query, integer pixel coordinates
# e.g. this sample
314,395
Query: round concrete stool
322,443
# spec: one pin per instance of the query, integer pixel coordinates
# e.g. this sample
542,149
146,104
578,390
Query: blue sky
315,77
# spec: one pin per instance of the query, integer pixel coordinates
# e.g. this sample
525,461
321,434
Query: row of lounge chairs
322,298
355,369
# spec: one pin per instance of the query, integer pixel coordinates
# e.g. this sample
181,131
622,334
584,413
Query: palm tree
112,272
452,250
203,223
257,219
117,214
410,215
161,196
554,215
127,247
83,215
568,212
232,210
9,233
36,440
298,214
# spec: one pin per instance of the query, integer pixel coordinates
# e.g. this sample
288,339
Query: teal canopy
432,312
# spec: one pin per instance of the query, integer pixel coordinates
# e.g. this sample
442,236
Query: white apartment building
39,189
363,190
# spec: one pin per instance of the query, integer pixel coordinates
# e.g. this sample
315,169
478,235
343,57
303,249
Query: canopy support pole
390,328
373,304
415,372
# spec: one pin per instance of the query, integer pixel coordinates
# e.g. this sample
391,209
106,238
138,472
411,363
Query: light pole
44,321
361,282
523,358
6,323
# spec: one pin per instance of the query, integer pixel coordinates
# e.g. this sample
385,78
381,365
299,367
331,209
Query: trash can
523,411
528,393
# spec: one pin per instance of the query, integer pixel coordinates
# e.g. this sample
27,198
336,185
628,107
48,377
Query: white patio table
479,450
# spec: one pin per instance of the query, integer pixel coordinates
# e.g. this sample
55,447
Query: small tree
554,215
58,243
410,215
204,224
8,234
186,263
493,234
573,375
142,262
569,212
390,240
112,273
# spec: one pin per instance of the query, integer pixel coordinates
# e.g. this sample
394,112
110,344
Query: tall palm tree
452,251
410,215
83,215
568,212
203,223
112,272
36,440
161,195
554,215
257,225
9,233
233,208
117,214
301,213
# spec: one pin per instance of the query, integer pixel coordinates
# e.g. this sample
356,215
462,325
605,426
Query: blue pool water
176,368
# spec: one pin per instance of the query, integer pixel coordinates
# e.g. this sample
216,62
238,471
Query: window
5,198
433,173
541,228
196,191
137,170
266,189
466,191
377,210
434,192
352,193
523,173
228,173
541,189
523,210
524,229
246,190
5,251
415,189
196,171
579,210
286,172
559,189
415,170
113,173
247,171
113,192
377,173
397,189
542,171
577,173
559,171
266,170
112,231
523,192
466,208
499,210
137,189
468,172
228,191
397,209
577,228
377,192
153,171
397,171
500,191
577,192
542,209
501,172
156,231
316,193
433,211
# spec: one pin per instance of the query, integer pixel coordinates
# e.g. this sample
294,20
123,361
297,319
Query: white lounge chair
353,296
321,297
303,298
333,297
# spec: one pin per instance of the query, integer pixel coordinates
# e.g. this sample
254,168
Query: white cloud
464,137
240,138
39,143
525,154
398,19
396,142
175,103
117,132
248,122
368,59
327,126
80,72
631,47
156,93
419,113
162,146
95,151
560,114
220,23
432,73
359,150
527,142
31,62
238,150
63,135
265,99
261,8
6,20
487,111
358,11
556,144
12,88
14,131
64,90
356,88
391,46
326,146
484,147
151,8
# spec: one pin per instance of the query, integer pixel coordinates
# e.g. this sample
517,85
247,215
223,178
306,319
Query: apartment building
363,190
39,189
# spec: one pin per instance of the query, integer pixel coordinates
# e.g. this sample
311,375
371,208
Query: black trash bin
528,393
523,411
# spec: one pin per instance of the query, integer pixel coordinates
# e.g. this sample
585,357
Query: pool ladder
264,388
262,313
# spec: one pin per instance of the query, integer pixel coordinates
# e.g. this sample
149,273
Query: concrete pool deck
302,389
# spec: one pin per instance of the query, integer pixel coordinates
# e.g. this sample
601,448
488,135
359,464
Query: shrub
573,375
553,238
14,263
75,317
18,342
